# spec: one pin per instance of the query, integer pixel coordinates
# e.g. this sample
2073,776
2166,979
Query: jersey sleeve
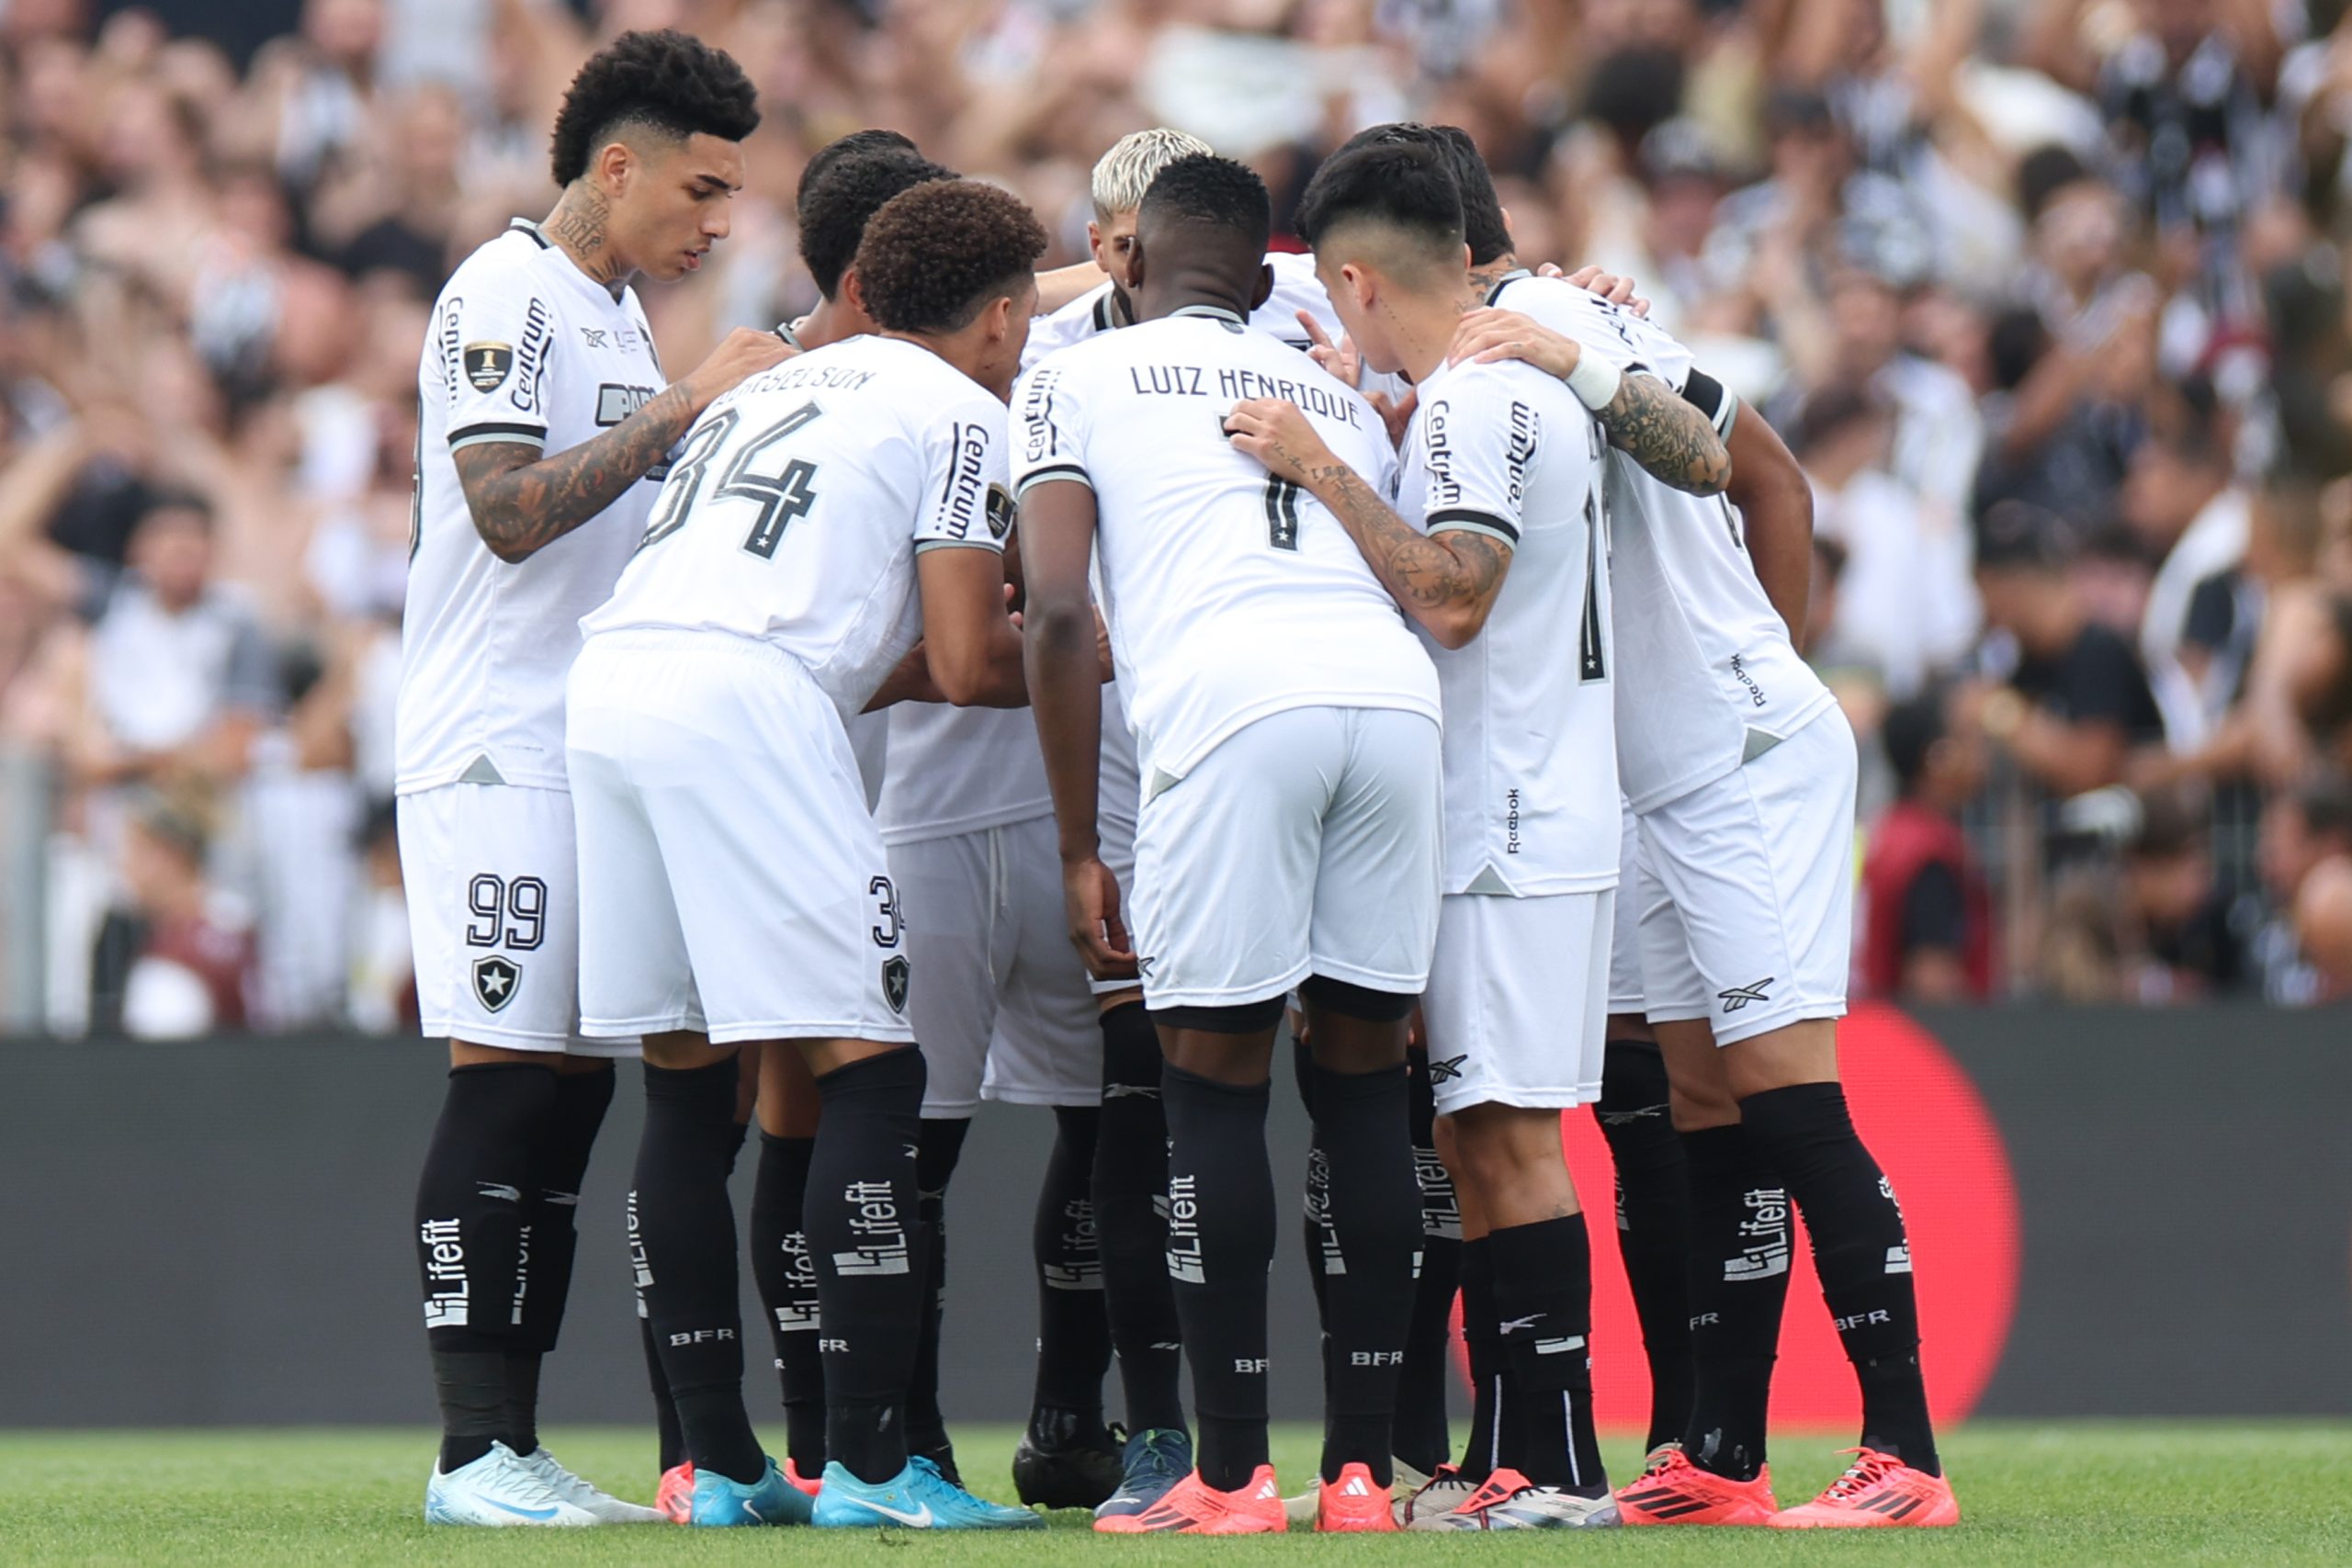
496,335
1477,437
965,501
1051,427
1627,340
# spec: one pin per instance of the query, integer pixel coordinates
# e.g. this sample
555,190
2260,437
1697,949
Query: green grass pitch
2170,1494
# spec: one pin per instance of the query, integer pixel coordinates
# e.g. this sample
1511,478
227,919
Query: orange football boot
1355,1504
1878,1492
675,1498
800,1482
1192,1507
1673,1490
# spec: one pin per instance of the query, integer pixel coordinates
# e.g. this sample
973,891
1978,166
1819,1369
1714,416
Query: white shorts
1625,992
1003,1008
731,880
1748,893
1304,843
493,915
1115,799
1516,1006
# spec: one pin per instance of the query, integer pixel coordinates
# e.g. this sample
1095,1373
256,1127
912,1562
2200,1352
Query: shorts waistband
683,639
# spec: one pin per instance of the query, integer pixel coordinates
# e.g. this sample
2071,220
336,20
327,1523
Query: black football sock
550,1241
472,1211
786,1274
1652,1223
1861,1252
1483,1348
1073,1332
939,1146
1543,1310
1220,1246
1364,1122
1421,1438
1130,1202
862,1225
685,1245
1738,1283
669,1439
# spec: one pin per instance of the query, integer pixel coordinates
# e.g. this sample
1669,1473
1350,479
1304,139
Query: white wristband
1594,382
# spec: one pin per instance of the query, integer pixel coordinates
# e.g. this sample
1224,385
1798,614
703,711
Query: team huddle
1033,687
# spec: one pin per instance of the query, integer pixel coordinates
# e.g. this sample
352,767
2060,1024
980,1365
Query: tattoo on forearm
522,505
1669,439
1423,572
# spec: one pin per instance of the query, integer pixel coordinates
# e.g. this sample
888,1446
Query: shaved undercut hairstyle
1482,227
1212,192
1394,204
837,205
664,84
1135,160
935,255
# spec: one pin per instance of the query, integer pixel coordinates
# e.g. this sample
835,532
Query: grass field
2144,1494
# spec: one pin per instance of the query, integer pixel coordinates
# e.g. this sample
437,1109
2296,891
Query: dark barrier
2114,1212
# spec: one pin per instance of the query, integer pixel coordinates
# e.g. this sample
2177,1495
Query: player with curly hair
818,524
544,420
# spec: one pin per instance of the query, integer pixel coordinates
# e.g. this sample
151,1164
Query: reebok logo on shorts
1445,1070
1739,997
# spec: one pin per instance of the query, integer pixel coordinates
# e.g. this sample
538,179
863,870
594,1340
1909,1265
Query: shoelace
1860,1476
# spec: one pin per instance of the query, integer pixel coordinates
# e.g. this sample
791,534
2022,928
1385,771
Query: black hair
1397,186
1909,732
1634,90
836,206
177,499
677,85
2015,342
1213,191
1482,227
2020,535
2043,173
2325,803
937,254
1829,412
858,142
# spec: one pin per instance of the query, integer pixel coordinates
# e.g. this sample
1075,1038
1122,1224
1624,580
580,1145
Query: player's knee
1324,995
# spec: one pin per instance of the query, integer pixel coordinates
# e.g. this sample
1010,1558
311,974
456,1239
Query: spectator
2302,829
1928,914
193,963
2180,499
2077,704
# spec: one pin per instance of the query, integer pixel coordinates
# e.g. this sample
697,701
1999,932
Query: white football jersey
798,502
1230,594
1531,777
524,348
1706,673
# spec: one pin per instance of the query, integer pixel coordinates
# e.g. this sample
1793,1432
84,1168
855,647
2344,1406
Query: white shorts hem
1237,997
631,1029
1060,1098
738,1033
1748,1029
1371,979
473,1033
1519,1099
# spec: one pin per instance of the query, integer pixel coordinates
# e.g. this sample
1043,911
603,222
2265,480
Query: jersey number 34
781,497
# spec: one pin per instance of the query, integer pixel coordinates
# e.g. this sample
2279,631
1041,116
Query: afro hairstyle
1482,210
837,205
935,254
677,85
1214,192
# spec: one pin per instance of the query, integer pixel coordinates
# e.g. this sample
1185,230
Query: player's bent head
1206,219
856,144
655,121
1394,208
955,262
1121,177
1486,227
836,205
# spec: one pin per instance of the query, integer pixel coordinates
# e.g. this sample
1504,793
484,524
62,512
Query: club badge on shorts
896,972
497,978
487,364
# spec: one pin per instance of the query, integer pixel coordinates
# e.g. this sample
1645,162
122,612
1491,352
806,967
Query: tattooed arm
1446,581
1648,419
523,501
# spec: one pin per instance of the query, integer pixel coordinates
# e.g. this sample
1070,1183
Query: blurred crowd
2047,295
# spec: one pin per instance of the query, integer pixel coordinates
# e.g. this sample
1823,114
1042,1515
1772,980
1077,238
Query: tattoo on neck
1484,277
579,224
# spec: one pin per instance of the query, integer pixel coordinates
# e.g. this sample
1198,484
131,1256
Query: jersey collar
1504,281
1214,312
539,238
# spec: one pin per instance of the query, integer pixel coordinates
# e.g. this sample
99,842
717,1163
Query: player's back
1703,658
525,349
797,503
1530,792
1230,594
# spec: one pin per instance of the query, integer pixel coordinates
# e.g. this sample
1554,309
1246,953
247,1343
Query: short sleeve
1477,436
1050,426
496,335
966,501
1627,340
